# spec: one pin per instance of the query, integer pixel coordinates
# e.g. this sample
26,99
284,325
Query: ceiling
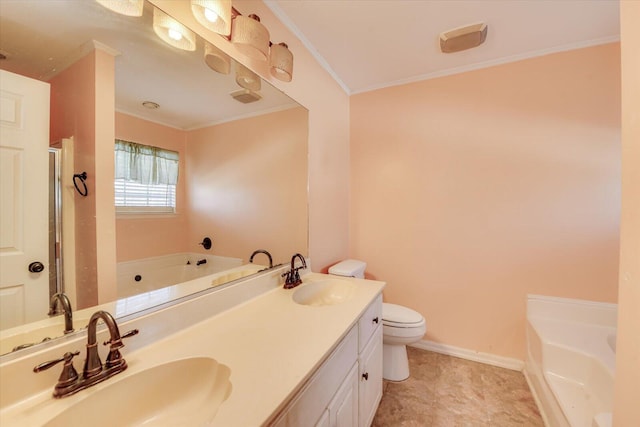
41,38
369,44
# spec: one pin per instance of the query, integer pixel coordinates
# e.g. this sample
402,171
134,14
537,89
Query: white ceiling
369,44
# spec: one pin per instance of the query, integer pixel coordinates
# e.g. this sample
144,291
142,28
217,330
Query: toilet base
395,363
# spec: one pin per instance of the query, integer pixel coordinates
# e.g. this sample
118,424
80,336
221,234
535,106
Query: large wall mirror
241,147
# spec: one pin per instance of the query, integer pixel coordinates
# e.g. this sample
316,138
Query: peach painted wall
471,191
244,186
627,386
328,107
82,100
105,103
143,236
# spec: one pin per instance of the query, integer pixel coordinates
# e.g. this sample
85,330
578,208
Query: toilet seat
398,316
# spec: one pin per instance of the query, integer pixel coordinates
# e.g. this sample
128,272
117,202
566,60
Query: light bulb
214,15
175,34
210,15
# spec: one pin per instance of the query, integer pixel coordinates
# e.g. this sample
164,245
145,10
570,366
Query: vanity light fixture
247,78
124,7
213,14
173,32
216,59
281,62
250,36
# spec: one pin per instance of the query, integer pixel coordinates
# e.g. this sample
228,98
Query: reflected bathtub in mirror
233,187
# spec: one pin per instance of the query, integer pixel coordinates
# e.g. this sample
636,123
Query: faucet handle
68,357
68,376
125,335
114,359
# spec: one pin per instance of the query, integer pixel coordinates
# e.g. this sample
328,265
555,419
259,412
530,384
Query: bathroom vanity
347,388
248,354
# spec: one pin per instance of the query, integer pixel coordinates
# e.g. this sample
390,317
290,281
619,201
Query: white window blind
145,178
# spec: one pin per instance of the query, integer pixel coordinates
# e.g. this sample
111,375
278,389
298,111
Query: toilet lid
392,313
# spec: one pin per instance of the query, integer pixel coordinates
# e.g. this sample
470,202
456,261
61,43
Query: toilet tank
349,268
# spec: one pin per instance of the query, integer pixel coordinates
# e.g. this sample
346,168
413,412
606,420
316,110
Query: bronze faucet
293,276
94,371
60,299
262,251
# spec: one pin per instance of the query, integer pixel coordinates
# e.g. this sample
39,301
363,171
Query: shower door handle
36,267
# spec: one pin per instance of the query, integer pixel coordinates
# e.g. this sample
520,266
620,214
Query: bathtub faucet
292,277
60,299
262,251
202,261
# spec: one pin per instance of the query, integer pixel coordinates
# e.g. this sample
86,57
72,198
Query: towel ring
82,177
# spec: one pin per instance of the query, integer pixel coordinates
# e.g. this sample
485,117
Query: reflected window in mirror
145,178
228,151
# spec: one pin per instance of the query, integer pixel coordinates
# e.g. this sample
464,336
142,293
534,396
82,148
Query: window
145,178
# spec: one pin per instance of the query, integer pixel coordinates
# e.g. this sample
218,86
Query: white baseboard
476,356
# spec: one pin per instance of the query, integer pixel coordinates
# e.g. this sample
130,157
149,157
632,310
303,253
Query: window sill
145,215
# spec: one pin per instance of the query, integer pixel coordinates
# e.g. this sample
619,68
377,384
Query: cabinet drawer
370,320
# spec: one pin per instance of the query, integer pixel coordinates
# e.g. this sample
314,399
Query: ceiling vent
246,96
463,38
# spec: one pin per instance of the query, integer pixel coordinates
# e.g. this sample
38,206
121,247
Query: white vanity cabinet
343,409
370,362
346,390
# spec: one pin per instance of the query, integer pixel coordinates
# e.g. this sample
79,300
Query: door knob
36,267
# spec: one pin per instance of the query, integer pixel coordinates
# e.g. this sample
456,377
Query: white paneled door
24,140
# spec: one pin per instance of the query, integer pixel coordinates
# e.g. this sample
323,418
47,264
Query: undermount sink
324,292
182,392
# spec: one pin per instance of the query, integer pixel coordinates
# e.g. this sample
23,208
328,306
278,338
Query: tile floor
445,391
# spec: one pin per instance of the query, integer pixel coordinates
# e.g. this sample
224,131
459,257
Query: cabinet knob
365,376
375,320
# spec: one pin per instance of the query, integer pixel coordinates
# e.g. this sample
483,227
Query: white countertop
271,344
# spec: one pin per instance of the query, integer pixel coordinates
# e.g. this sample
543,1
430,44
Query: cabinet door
312,401
324,420
343,409
370,379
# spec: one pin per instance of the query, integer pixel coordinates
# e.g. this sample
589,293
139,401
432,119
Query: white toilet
400,326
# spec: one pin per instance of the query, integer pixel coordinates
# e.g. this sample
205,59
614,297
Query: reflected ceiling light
213,14
247,78
216,59
250,36
173,32
151,105
281,62
124,7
